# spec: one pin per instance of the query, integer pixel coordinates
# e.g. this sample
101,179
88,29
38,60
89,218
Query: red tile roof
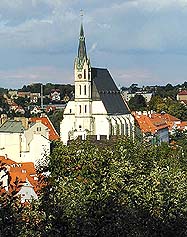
53,135
184,92
21,172
148,124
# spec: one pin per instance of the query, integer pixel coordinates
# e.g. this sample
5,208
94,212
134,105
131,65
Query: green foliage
127,189
124,188
56,118
137,103
168,105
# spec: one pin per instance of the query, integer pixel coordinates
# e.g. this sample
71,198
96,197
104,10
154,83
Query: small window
84,73
70,111
85,108
85,90
38,129
80,89
80,109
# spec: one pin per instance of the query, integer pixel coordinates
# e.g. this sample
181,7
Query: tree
56,118
120,189
137,103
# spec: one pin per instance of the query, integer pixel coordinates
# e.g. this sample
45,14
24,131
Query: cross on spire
81,15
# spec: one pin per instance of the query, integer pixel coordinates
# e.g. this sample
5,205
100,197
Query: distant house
34,97
154,129
24,94
24,174
55,95
127,95
36,110
182,96
13,93
148,120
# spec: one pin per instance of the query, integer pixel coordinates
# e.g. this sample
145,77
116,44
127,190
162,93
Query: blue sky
139,41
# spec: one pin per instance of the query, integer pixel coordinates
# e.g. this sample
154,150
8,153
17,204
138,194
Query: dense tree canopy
168,105
137,103
123,188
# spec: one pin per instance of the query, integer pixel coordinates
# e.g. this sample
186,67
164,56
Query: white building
147,95
24,145
98,107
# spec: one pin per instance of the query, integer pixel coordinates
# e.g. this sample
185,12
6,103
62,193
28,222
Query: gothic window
80,109
85,90
85,109
80,89
84,73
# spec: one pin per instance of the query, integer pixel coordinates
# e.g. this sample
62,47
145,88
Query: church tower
98,108
83,97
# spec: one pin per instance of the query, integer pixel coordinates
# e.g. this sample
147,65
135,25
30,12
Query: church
97,109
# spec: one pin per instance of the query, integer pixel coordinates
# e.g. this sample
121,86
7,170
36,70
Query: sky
138,41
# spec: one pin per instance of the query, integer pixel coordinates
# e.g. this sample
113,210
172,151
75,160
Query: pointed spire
82,45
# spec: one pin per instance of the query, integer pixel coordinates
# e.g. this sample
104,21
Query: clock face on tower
79,76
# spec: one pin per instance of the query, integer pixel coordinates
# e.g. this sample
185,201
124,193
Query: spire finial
81,15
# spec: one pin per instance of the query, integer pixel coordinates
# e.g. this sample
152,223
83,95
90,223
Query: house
154,129
23,94
24,144
13,94
182,96
55,95
98,108
34,97
147,95
53,135
20,177
36,110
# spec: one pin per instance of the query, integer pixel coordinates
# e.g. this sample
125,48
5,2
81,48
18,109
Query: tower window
84,73
80,89
85,108
85,90
80,109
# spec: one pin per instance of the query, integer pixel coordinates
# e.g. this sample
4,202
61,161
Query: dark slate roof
104,88
12,126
